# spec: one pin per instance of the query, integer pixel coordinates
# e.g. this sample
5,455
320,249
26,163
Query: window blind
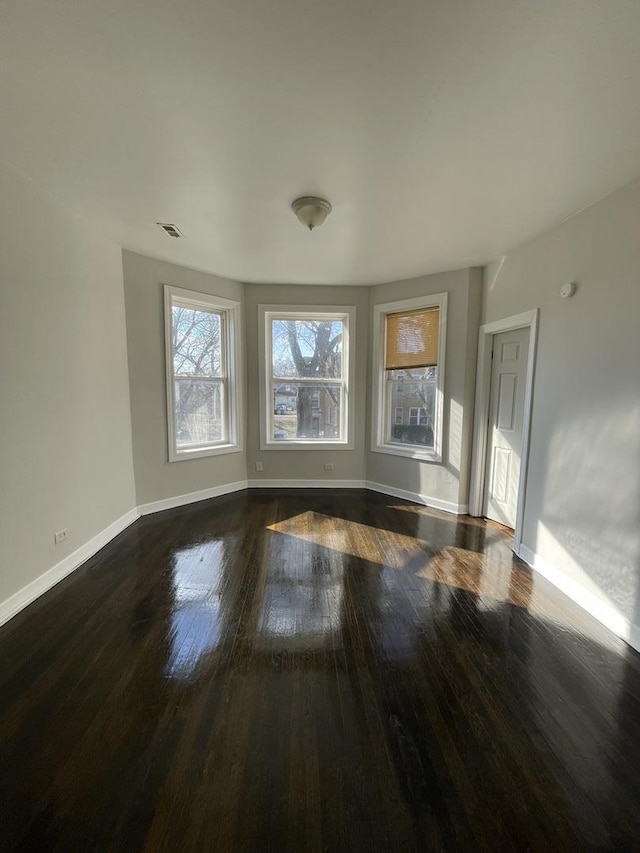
412,339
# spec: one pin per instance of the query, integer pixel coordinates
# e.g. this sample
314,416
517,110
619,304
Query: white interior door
506,415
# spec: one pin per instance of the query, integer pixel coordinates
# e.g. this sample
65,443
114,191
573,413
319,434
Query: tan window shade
412,339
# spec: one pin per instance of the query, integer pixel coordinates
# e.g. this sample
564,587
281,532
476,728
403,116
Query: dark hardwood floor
314,672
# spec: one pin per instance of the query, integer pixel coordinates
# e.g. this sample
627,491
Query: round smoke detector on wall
568,289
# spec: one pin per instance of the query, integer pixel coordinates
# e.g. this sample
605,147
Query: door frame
528,319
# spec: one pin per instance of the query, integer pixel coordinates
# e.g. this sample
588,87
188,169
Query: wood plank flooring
314,671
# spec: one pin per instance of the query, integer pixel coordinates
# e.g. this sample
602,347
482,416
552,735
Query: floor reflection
299,611
303,592
195,617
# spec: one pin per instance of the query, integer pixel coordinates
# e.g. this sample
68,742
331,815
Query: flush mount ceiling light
311,211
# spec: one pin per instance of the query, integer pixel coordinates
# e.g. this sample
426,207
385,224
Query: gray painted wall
156,477
582,510
65,455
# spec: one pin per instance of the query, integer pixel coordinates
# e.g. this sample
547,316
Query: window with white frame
306,351
203,373
418,416
399,415
409,348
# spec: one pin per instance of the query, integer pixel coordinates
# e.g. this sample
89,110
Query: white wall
582,510
65,448
446,482
156,477
307,464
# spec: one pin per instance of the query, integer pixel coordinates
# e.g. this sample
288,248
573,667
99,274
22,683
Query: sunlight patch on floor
350,537
492,578
462,569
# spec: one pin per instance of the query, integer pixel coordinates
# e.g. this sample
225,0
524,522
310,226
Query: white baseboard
601,610
191,497
434,503
19,600
307,484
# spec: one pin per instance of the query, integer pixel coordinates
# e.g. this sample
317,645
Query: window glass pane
307,348
197,344
416,375
418,398
199,412
308,410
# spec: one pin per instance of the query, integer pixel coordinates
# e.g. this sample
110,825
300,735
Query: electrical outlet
259,466
60,536
328,466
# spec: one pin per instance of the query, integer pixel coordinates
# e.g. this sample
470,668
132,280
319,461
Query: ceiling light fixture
311,211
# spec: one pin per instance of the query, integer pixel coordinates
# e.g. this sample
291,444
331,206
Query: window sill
199,452
410,452
306,445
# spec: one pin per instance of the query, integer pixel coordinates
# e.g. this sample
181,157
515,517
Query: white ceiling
444,132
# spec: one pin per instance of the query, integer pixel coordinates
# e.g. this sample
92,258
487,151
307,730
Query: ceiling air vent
170,229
